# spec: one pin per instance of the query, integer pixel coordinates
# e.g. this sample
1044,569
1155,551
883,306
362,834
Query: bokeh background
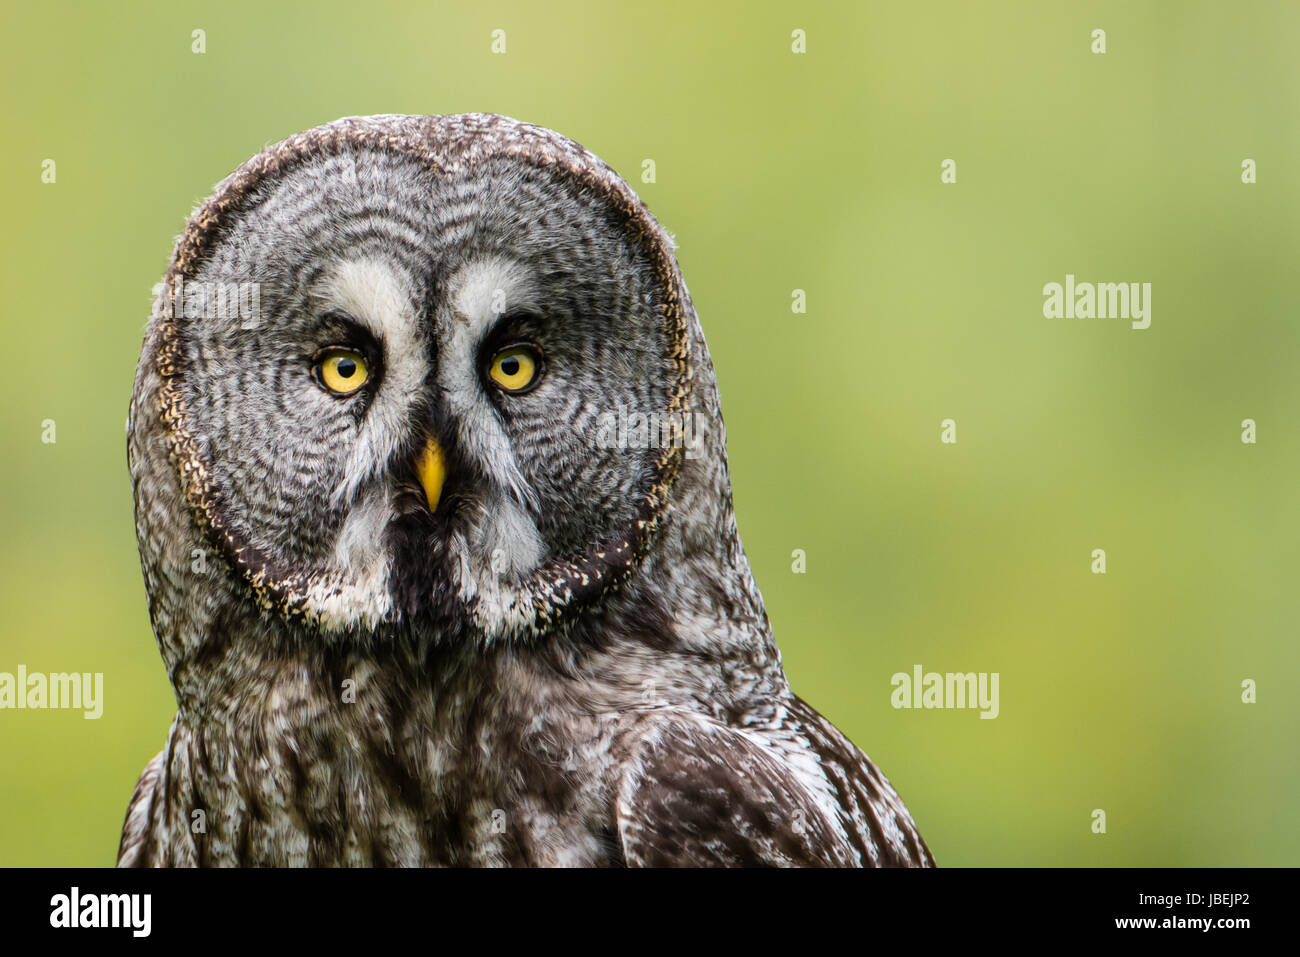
777,171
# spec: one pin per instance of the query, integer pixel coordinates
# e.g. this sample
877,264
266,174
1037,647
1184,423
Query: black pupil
510,366
346,368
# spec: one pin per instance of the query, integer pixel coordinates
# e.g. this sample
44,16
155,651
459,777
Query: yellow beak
432,469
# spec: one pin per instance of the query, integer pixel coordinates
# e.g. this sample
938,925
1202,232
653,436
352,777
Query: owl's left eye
340,370
515,369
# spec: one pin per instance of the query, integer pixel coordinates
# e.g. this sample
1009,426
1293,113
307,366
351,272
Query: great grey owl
433,508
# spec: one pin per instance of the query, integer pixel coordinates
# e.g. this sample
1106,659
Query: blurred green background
777,171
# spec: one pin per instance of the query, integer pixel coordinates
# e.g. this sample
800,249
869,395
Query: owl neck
692,614
295,752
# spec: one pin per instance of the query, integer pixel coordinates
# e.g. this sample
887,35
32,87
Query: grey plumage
566,660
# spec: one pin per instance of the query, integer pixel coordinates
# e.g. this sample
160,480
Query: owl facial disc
404,432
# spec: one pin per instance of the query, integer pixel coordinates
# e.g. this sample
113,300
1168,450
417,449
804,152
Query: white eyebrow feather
380,297
479,294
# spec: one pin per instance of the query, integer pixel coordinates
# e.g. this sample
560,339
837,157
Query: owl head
436,372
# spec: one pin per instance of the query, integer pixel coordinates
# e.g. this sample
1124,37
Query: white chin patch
506,543
355,592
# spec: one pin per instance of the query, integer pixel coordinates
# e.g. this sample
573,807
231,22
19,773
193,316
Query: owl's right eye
340,370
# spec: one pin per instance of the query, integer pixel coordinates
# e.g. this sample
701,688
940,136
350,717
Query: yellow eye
515,369
342,371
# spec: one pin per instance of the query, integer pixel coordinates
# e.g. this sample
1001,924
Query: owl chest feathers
498,759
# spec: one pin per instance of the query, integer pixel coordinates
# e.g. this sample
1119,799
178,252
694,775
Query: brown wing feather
879,826
699,794
137,831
